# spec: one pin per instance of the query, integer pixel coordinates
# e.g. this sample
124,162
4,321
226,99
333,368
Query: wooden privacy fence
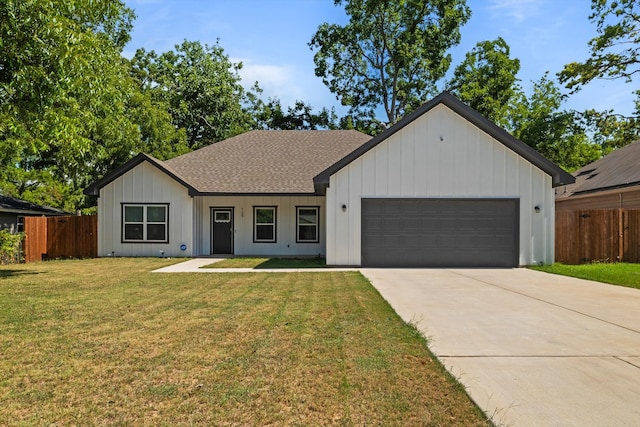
608,235
60,237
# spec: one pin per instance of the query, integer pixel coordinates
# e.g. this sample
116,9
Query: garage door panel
440,232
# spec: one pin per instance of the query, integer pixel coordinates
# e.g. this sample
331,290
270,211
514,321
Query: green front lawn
617,274
105,342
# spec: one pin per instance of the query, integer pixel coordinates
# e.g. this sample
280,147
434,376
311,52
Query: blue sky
270,38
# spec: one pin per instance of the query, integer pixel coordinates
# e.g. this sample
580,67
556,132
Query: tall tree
68,110
202,88
557,134
486,80
390,54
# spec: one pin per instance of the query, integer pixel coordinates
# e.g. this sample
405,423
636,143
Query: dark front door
222,231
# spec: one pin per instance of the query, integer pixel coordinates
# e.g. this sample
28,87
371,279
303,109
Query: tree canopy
69,112
201,87
300,116
558,134
614,54
389,55
487,80
615,51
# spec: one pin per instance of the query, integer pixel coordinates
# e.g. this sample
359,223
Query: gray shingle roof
10,204
620,168
265,161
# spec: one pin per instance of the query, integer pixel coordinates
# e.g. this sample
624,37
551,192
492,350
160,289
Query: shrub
10,247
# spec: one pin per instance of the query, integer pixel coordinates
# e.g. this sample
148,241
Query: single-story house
442,187
608,183
13,211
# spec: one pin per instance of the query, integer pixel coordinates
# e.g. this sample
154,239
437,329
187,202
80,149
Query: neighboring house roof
255,162
22,207
618,169
558,175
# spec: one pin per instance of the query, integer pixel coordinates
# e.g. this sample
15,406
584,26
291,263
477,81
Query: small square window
133,213
222,217
156,213
133,232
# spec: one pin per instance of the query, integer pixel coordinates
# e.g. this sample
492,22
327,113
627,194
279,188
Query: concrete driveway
532,349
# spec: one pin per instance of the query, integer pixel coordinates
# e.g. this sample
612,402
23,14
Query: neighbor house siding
440,155
285,244
628,198
144,184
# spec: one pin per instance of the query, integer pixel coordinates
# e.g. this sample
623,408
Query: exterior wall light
344,208
537,209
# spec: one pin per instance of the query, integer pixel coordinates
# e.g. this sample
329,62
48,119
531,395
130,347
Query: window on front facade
145,223
264,220
307,224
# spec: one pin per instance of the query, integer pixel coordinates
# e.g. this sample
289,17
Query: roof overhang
558,175
604,191
32,212
256,194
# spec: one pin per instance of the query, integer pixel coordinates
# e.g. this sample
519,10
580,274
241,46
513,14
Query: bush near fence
598,235
10,247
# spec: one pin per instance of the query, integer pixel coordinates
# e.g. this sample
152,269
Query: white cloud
268,75
277,81
516,9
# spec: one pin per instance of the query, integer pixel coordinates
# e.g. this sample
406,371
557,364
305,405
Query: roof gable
618,169
559,176
94,189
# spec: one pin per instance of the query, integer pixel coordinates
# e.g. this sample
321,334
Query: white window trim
144,222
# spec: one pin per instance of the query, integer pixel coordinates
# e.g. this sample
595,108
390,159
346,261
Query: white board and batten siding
285,244
440,155
145,184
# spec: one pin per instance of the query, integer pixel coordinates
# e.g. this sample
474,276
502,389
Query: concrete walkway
532,349
195,266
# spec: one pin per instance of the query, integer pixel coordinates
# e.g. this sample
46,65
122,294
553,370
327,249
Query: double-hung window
264,224
145,223
307,224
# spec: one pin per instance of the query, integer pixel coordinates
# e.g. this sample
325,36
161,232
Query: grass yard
622,274
105,342
266,263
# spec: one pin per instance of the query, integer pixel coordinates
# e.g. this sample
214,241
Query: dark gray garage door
440,232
